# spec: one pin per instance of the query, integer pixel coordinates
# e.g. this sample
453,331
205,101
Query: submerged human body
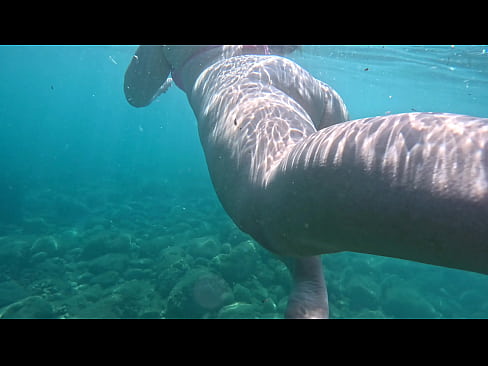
293,173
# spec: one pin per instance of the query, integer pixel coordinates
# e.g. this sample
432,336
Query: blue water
108,210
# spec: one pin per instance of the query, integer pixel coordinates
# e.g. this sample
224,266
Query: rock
239,310
283,303
11,291
94,292
69,239
230,233
198,293
142,263
242,294
151,314
38,257
100,222
393,266
205,246
269,306
101,242
33,307
85,277
258,291
201,262
51,287
406,302
152,247
104,308
51,267
481,312
137,274
106,279
74,254
122,243
370,314
47,244
172,256
138,299
274,273
471,301
168,278
14,252
362,292
132,290
181,229
95,244
109,262
226,248
278,291
239,264
35,225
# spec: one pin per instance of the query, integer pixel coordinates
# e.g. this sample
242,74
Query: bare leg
308,299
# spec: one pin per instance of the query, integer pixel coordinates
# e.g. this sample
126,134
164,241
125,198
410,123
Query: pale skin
295,174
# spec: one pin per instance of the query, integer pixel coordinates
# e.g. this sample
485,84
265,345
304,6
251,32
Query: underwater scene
108,211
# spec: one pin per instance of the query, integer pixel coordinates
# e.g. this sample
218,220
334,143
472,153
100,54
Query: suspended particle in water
112,59
366,69
52,87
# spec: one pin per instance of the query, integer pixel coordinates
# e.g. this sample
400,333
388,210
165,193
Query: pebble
46,244
105,279
404,302
33,307
238,310
109,262
197,293
11,291
139,261
35,225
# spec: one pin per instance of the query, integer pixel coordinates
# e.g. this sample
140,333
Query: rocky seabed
156,254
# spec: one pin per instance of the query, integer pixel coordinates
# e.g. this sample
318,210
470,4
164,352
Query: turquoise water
107,211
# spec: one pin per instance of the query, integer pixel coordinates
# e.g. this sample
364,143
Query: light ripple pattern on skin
291,172
444,152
